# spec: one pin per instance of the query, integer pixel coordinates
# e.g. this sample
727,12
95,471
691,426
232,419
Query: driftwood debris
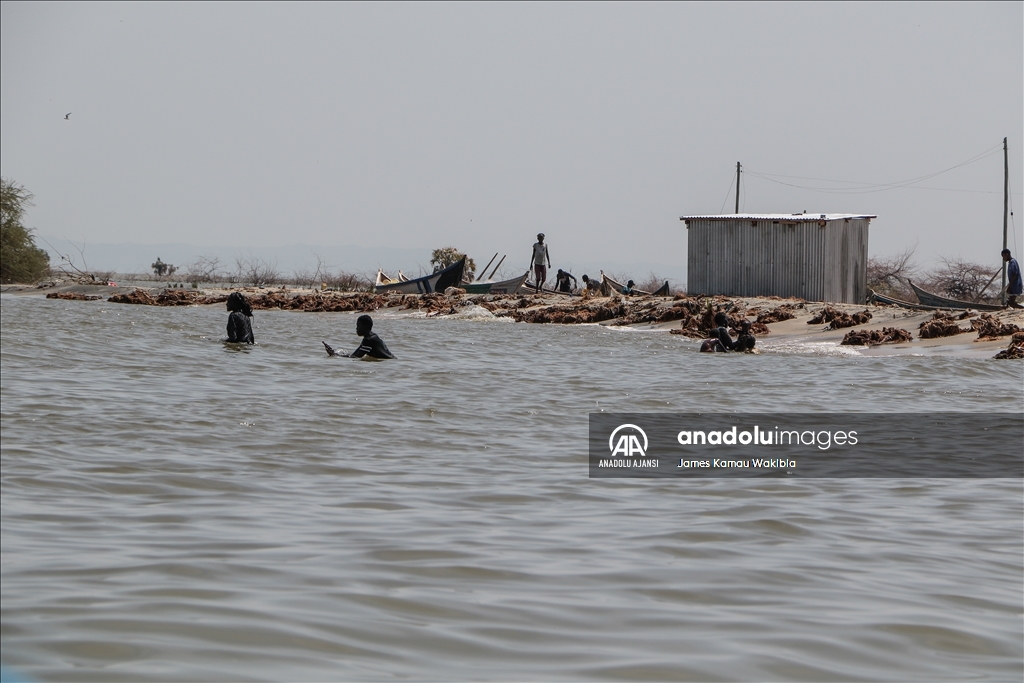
887,335
776,315
837,320
168,297
1015,350
942,325
989,327
73,296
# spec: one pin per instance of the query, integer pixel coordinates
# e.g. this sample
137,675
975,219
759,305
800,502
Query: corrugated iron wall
764,258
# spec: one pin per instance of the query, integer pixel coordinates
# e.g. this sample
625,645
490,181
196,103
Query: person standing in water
720,339
239,319
746,340
372,346
540,255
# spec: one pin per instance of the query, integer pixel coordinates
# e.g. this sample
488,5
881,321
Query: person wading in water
239,320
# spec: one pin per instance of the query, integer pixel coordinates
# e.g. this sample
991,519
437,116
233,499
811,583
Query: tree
445,256
203,269
888,274
20,259
960,279
256,272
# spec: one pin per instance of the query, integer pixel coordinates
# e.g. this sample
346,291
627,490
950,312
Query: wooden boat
608,285
384,279
435,282
874,296
504,287
929,299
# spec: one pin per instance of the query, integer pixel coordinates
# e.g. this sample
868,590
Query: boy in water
239,319
372,346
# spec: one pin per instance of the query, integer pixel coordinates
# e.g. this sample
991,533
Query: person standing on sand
540,254
1014,285
239,320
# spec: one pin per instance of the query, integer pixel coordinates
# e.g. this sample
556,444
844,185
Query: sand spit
779,324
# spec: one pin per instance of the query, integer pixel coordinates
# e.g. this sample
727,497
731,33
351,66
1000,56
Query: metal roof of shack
787,217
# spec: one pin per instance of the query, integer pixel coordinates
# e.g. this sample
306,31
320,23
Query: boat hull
504,287
888,300
608,285
929,299
435,282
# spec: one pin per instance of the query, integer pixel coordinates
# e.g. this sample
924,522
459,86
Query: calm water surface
175,508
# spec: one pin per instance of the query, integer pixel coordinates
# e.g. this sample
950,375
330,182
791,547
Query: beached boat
875,297
504,287
435,282
385,279
929,299
608,285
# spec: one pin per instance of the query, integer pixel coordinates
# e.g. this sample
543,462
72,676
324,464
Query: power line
873,187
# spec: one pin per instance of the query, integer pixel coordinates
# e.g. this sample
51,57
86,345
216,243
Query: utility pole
738,167
1006,210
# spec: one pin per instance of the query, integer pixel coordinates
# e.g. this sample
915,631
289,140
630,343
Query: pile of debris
699,323
1015,350
168,297
436,303
837,320
989,327
73,296
505,302
942,325
776,315
589,313
887,335
316,302
325,302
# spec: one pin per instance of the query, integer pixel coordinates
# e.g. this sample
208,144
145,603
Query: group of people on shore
540,256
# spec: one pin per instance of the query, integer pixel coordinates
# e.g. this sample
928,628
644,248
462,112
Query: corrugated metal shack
818,257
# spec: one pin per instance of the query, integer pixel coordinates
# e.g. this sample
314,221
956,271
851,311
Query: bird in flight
67,117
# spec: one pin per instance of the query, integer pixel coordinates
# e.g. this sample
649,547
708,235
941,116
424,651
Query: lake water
176,508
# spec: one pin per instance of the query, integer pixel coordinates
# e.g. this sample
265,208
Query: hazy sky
478,125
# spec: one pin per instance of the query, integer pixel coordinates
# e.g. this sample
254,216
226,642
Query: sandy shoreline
640,313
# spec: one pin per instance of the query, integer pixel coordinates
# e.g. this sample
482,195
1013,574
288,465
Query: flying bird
67,117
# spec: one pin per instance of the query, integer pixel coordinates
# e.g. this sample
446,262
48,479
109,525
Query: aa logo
628,443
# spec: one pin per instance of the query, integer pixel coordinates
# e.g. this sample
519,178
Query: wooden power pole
738,167
1006,209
